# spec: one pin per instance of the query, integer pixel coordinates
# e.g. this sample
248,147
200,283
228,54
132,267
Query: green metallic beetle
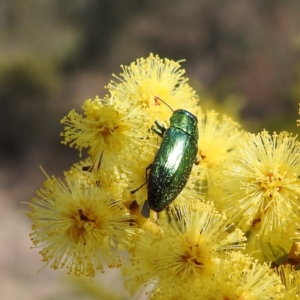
172,165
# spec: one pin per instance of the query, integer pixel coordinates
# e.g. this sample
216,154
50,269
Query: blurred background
242,58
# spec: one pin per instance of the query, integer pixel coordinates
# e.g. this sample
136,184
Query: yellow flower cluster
241,184
78,224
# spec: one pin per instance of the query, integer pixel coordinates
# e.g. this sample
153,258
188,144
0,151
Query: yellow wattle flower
262,185
140,83
218,138
192,241
108,130
290,278
241,277
77,225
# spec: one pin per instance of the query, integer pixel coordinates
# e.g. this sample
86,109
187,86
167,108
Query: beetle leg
159,129
197,160
146,176
134,191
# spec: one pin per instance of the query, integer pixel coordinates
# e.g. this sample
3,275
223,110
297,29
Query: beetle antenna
156,97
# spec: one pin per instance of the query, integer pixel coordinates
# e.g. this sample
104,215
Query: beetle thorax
185,121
